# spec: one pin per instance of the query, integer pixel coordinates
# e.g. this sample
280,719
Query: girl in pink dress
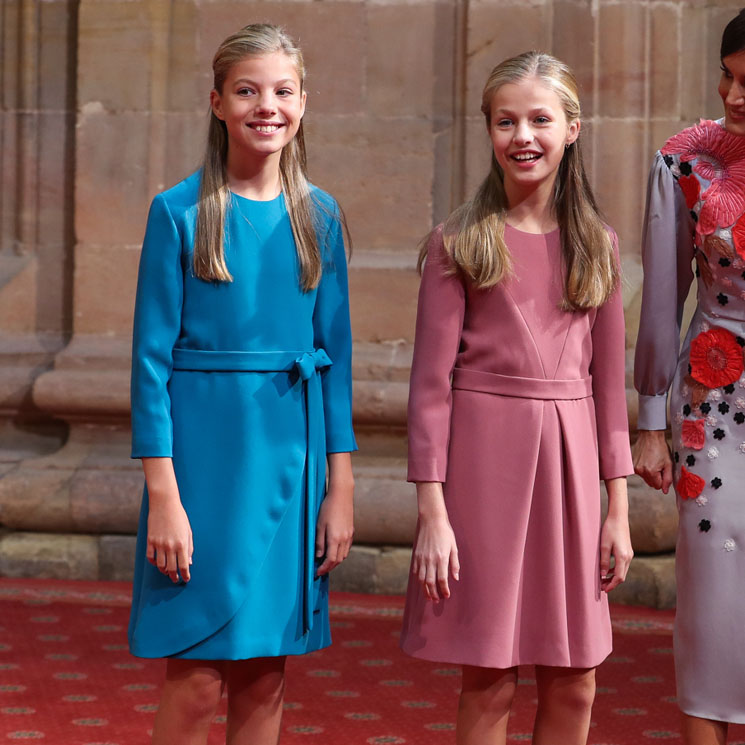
517,409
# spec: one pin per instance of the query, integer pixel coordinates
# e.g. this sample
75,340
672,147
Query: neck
531,209
254,178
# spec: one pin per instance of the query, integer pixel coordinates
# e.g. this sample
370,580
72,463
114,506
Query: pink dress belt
517,387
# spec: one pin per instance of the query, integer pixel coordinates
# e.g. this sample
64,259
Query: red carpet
66,677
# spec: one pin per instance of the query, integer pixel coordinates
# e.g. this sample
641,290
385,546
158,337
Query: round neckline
257,201
525,232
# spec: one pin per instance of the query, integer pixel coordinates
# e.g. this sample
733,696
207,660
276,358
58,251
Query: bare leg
484,706
565,697
698,731
255,693
188,701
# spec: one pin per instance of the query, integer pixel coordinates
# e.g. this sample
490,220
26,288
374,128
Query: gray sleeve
667,255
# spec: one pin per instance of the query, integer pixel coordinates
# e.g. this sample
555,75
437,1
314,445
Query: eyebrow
539,110
278,82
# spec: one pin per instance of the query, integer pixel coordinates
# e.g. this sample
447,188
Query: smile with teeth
526,156
265,128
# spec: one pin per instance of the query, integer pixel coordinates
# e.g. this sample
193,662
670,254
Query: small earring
566,145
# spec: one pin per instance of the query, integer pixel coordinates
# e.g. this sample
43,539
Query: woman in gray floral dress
695,224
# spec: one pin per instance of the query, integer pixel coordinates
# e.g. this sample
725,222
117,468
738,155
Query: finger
150,553
320,541
667,476
183,565
191,547
621,568
172,565
161,558
611,583
325,567
442,579
605,552
455,564
432,582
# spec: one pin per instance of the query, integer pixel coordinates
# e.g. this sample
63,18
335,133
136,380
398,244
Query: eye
244,91
284,92
542,119
504,122
727,74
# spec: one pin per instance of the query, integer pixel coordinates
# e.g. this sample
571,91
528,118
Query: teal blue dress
247,386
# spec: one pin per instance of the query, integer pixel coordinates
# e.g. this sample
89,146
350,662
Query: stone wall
104,104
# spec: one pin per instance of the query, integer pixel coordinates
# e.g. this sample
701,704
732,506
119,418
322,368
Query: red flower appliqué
689,485
691,187
720,159
716,358
693,434
738,237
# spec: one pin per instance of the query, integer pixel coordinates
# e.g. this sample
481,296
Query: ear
216,104
573,131
303,99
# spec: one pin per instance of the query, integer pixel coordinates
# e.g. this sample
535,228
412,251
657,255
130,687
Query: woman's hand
615,539
169,539
652,459
335,527
435,550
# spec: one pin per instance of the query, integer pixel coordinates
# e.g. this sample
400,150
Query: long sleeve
157,324
667,253
439,323
332,332
608,385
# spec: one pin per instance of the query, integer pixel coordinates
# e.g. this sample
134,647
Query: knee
573,695
197,697
490,691
263,685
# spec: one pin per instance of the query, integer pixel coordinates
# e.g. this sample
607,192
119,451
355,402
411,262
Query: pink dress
519,409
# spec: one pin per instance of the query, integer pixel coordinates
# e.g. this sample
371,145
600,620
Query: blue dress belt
307,366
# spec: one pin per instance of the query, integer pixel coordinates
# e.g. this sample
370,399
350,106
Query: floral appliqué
693,434
689,484
720,160
716,358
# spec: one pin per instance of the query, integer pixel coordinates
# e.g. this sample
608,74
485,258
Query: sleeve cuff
652,412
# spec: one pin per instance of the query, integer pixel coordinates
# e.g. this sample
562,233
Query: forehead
527,93
735,63
265,68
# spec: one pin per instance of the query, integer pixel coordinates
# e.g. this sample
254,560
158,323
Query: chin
735,126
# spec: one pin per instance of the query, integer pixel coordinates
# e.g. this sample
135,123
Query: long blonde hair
214,195
474,233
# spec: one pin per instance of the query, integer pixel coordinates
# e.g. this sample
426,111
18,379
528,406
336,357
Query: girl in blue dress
241,396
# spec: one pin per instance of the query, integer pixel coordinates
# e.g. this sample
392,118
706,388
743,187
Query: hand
652,459
435,550
335,527
615,539
435,556
169,539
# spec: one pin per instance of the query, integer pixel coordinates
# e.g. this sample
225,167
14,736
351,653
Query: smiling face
529,132
732,91
262,103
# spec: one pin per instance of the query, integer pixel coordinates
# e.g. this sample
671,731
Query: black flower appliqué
690,461
687,410
723,407
716,482
705,407
704,526
739,417
718,434
724,261
722,299
676,456
731,387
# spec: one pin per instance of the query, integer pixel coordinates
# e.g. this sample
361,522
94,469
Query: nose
523,134
736,94
266,103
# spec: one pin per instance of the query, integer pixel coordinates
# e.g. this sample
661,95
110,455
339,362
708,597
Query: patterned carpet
66,677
